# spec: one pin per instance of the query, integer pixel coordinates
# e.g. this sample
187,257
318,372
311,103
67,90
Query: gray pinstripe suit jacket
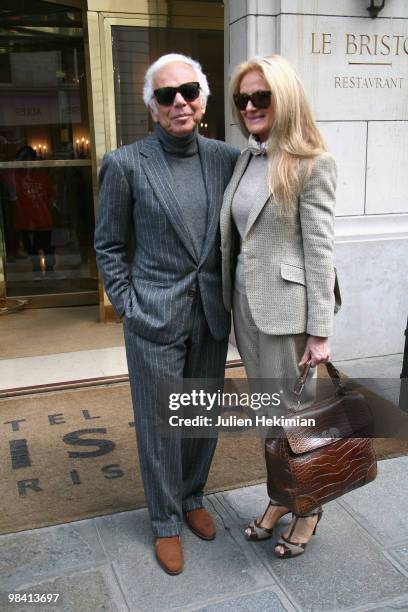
291,282
136,188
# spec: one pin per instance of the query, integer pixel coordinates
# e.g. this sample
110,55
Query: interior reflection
45,168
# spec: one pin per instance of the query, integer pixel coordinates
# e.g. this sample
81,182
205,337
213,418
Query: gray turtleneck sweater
184,162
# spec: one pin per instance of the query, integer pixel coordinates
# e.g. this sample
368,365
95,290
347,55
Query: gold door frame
102,15
2,260
137,13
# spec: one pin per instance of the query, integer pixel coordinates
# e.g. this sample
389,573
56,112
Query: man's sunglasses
259,99
165,95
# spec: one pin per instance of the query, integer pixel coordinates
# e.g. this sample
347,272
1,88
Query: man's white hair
148,95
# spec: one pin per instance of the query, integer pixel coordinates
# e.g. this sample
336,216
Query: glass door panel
48,230
135,48
45,161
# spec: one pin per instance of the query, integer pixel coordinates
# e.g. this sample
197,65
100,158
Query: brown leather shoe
169,554
201,523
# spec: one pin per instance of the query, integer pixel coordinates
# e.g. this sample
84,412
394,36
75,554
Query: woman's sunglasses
165,95
259,99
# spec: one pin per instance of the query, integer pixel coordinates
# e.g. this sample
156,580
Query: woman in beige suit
277,244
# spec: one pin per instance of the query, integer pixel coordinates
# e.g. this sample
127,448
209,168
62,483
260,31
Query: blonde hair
294,135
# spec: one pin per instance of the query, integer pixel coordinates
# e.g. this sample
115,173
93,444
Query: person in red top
32,216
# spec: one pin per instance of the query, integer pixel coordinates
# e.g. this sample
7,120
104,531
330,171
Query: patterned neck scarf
256,146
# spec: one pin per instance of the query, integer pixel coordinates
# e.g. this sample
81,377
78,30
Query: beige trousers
272,358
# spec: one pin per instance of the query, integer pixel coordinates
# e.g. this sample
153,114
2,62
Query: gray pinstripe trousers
174,470
271,357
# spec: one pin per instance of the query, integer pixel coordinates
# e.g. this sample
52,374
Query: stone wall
355,71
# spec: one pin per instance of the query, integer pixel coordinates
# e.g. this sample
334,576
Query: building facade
355,70
71,77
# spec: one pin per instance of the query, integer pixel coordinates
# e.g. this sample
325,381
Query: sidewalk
357,561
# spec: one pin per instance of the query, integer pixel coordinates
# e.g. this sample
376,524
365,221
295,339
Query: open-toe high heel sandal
293,549
255,532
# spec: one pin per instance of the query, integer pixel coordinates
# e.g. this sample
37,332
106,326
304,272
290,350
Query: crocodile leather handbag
310,465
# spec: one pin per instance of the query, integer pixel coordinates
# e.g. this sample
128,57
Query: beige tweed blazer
290,279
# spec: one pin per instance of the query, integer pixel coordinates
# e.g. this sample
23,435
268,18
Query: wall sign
353,69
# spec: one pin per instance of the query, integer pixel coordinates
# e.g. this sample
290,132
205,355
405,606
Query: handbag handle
331,370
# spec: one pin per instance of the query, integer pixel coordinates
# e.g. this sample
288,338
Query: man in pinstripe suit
169,187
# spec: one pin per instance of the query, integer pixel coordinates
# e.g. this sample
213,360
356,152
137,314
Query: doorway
46,193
